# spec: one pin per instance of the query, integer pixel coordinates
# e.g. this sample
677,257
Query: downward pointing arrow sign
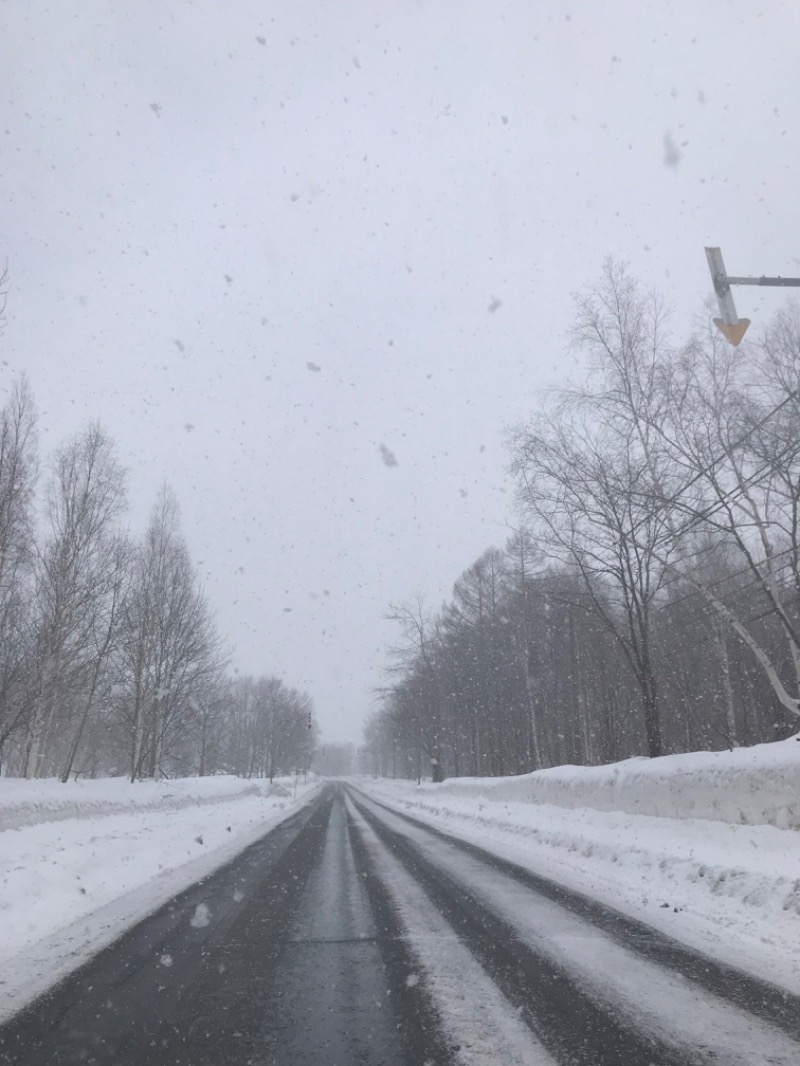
733,332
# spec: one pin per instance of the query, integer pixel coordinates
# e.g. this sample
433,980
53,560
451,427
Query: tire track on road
589,1000
742,990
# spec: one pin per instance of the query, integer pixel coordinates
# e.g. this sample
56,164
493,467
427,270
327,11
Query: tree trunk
76,743
727,687
652,721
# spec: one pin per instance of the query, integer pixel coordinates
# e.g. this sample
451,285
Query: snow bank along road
352,934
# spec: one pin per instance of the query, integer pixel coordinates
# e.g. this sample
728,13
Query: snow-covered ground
81,862
693,870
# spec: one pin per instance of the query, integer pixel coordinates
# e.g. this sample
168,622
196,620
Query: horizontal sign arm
790,282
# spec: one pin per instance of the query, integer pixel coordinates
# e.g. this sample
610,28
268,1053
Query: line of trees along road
648,601
111,661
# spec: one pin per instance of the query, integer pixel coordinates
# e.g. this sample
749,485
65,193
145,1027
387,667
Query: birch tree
580,485
733,427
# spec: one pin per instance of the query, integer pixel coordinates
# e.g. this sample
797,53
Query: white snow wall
747,786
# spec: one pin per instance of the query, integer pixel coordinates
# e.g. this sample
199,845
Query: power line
719,581
710,610
708,469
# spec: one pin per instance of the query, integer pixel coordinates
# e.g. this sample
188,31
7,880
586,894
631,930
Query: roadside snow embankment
79,863
30,802
729,889
747,786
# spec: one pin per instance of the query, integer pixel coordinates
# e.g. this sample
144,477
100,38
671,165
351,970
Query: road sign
730,325
733,334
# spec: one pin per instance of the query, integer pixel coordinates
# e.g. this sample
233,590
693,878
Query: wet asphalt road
282,957
299,953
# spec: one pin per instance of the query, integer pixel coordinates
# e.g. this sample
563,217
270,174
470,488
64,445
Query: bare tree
17,480
580,485
104,634
4,280
173,650
733,427
85,500
521,561
416,651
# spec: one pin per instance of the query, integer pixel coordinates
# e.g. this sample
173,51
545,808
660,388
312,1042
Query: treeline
648,602
111,661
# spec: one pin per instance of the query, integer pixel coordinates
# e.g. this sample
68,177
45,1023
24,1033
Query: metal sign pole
730,325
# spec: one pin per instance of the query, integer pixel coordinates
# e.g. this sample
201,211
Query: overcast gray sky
273,244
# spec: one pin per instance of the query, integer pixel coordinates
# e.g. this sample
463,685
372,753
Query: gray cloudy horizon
306,262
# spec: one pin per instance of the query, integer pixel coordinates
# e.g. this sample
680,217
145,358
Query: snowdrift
31,802
747,786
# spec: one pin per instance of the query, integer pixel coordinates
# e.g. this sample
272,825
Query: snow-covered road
581,974
356,933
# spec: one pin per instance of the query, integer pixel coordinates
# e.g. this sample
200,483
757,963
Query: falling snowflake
387,455
672,155
201,917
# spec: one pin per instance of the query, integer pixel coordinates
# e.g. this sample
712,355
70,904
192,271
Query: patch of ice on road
166,960
201,917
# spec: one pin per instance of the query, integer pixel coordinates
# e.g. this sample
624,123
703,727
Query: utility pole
730,325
